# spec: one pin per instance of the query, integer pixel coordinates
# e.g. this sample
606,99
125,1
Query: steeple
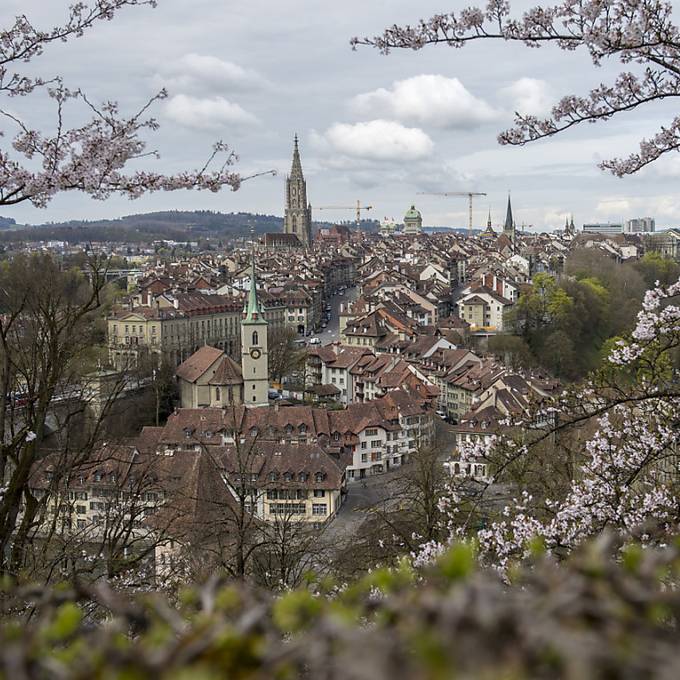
488,222
254,347
296,168
252,310
297,218
509,222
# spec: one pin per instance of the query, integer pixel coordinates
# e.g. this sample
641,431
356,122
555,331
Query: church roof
252,312
227,373
198,363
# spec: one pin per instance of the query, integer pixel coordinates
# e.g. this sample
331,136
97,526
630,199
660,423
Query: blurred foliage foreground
609,611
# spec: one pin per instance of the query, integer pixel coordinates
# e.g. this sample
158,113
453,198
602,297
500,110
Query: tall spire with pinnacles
298,214
509,226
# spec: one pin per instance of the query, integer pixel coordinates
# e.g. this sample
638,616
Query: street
331,332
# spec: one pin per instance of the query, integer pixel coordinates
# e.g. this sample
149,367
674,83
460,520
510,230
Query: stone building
297,218
210,378
413,221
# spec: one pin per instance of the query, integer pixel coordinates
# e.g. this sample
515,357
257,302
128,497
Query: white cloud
203,73
529,96
380,140
428,100
206,114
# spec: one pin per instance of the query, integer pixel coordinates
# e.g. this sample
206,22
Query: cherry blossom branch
93,156
632,31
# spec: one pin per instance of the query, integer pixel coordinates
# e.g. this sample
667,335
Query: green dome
412,214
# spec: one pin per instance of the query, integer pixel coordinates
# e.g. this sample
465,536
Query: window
81,509
287,509
319,493
81,523
364,457
371,432
255,338
319,509
218,394
319,476
364,445
375,444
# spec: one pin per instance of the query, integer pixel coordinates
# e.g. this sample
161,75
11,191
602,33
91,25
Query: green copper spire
252,311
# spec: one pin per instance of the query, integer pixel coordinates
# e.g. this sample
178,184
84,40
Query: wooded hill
176,225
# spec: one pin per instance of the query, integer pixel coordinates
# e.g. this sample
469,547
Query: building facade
297,217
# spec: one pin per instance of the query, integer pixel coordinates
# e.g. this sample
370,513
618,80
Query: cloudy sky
375,128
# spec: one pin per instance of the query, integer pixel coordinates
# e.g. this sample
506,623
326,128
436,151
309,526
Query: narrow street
331,332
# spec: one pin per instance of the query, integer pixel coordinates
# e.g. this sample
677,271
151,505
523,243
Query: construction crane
469,194
358,207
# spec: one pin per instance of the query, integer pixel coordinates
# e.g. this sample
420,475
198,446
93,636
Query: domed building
413,221
387,227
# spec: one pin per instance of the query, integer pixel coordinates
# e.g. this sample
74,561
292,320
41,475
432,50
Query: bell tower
297,218
254,356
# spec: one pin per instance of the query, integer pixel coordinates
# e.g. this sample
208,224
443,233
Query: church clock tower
254,357
297,218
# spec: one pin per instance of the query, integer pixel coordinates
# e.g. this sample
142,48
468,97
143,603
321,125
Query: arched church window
255,338
217,393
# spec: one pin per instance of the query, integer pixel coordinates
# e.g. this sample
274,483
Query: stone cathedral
297,218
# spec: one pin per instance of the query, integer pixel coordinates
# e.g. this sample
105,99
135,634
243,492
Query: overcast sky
375,128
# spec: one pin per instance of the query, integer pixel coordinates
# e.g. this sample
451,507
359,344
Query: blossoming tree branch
92,154
639,32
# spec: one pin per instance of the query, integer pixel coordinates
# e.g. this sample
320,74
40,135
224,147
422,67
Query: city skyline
379,129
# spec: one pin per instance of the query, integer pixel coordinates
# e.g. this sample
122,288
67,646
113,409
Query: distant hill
174,225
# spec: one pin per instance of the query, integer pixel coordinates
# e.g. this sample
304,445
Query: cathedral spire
296,169
488,222
297,217
509,222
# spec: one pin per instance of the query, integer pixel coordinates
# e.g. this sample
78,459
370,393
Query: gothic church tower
254,358
298,215
509,226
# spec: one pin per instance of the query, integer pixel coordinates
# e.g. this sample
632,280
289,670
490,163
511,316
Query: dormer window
302,477
319,476
303,429
288,477
273,476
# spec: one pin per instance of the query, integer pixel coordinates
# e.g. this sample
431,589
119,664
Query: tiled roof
198,363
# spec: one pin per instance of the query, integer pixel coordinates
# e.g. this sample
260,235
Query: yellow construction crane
469,194
358,207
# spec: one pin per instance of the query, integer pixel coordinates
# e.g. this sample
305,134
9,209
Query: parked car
442,414
315,341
